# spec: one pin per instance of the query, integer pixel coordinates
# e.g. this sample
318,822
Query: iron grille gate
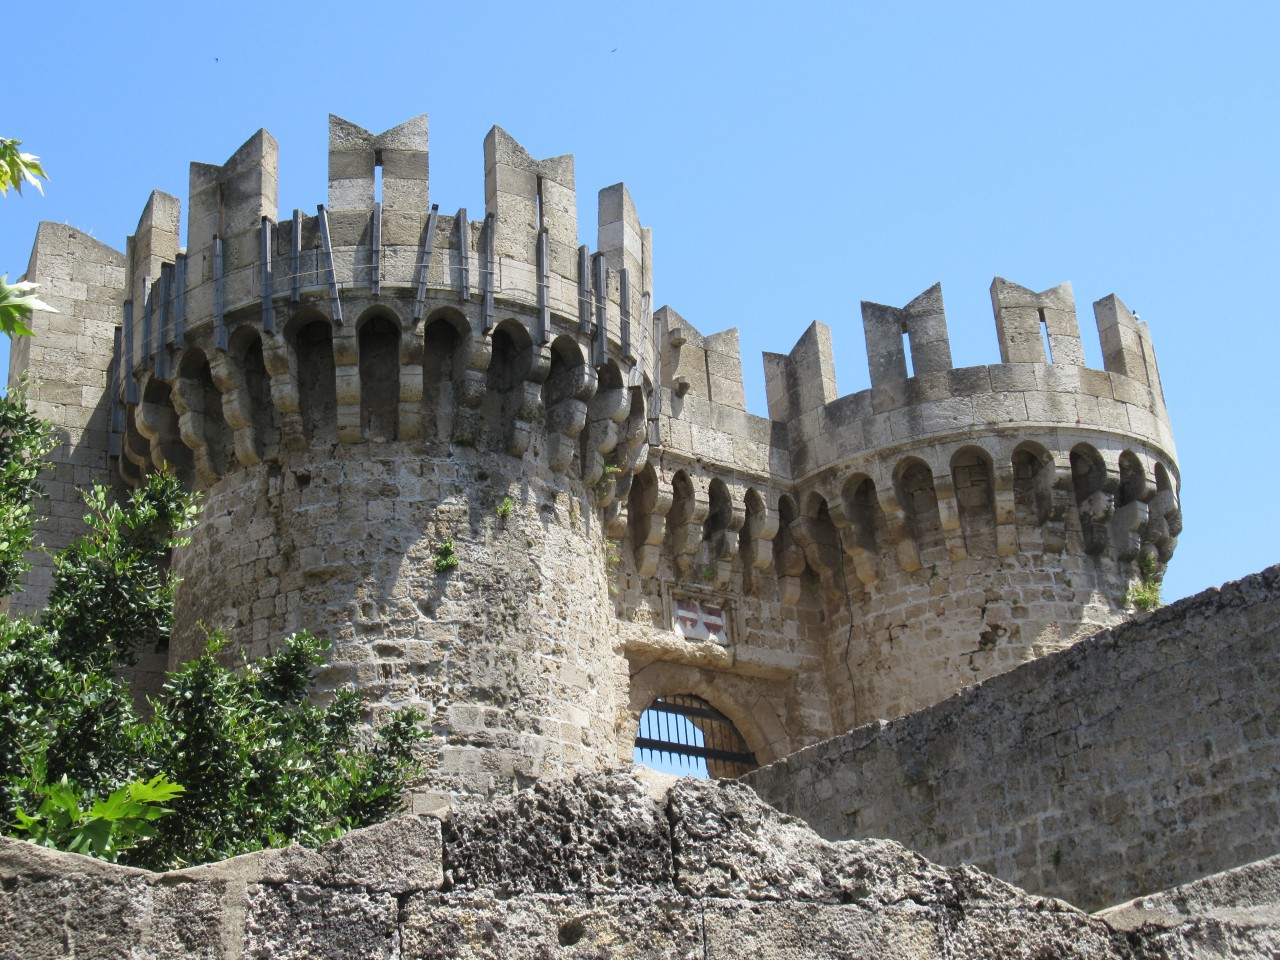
689,727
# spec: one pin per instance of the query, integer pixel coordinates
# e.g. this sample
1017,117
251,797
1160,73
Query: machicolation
514,493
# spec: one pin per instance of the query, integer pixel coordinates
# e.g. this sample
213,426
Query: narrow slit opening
906,353
1044,332
377,177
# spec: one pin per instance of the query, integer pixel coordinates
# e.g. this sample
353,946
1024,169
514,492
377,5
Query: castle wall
1146,756
510,653
352,388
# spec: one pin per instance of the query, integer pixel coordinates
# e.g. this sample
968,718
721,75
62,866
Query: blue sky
792,159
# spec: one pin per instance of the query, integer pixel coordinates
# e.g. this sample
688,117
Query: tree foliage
17,168
242,757
16,299
25,441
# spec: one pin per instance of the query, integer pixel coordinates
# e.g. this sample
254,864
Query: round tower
409,429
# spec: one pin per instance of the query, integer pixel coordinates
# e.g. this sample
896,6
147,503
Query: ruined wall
600,867
1146,756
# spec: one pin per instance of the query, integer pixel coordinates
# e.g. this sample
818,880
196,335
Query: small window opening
537,204
687,736
377,177
1044,332
906,353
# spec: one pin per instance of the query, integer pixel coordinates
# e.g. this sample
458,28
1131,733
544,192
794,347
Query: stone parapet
1143,757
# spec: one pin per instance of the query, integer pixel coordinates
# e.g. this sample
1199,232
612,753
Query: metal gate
692,736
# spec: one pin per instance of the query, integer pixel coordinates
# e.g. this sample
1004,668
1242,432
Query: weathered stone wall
1145,756
1235,913
510,653
600,867
68,369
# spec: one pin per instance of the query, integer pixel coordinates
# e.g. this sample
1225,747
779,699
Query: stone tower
512,494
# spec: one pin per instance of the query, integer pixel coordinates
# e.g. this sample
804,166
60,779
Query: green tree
227,761
16,299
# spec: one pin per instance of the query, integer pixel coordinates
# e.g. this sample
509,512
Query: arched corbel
606,413
649,550
686,534
760,526
470,390
346,363
567,416
409,426
188,403
282,368
720,545
528,401
895,518
1054,529
944,489
1006,507
159,424
236,408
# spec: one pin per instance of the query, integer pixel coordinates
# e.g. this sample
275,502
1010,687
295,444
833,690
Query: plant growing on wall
229,761
1145,595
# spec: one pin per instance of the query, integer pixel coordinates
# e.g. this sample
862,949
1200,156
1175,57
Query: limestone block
554,840
398,856
470,926
300,921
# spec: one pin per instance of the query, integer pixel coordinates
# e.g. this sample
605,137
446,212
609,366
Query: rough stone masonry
602,866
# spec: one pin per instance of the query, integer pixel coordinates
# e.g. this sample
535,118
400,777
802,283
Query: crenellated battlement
353,386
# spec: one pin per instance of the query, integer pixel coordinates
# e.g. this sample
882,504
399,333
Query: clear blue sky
792,159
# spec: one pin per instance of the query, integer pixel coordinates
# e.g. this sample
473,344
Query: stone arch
1033,478
378,335
1162,480
973,479
1093,503
913,483
445,339
691,727
564,392
212,440
789,555
755,548
868,530
1133,479
158,422
760,726
641,501
312,339
866,517
510,361
715,529
606,412
246,347
681,512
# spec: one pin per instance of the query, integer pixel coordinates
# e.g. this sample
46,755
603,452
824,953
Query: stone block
607,836
398,856
638,926
301,922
